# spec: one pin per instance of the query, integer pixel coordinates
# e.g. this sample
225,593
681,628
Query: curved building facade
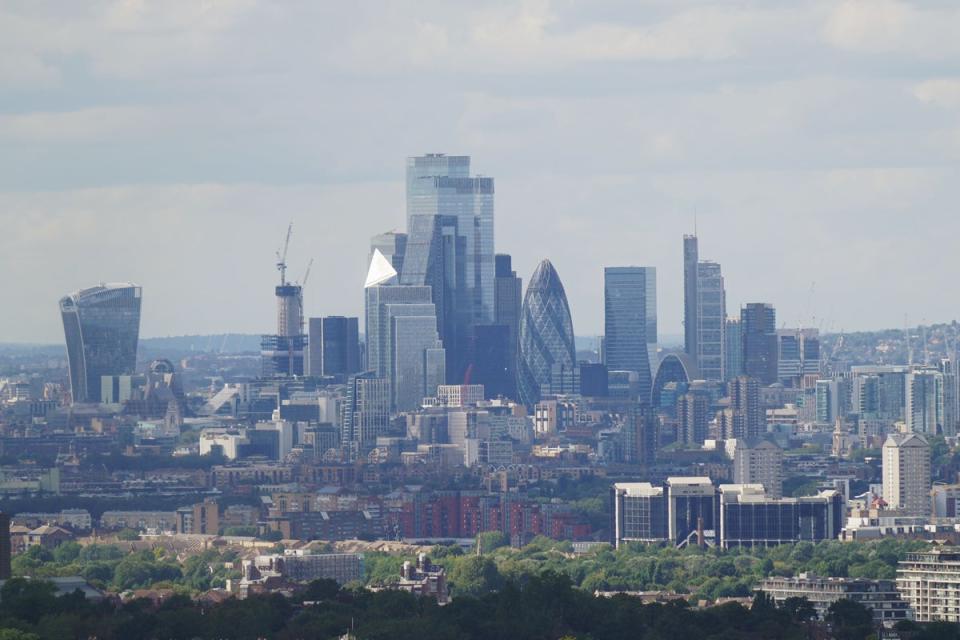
547,351
675,367
101,326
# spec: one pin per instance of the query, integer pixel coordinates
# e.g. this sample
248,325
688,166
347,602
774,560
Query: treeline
704,574
111,568
546,607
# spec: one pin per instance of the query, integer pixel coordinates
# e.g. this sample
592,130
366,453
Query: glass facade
441,185
674,367
758,330
547,352
102,327
417,355
377,298
711,320
334,346
630,322
365,413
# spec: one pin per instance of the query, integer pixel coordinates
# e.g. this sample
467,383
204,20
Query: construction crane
307,274
282,257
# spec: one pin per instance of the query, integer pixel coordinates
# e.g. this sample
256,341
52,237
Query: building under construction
282,354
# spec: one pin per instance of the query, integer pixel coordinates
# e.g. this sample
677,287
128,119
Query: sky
170,142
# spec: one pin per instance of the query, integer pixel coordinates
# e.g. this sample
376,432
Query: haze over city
170,143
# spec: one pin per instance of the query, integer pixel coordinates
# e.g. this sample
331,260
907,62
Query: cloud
941,92
893,26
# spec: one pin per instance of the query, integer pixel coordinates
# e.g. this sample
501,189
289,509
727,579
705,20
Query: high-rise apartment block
102,327
906,474
757,461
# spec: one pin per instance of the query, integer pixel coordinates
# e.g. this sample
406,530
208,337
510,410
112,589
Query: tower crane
282,257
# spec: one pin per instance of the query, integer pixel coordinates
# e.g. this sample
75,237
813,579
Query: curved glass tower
101,326
547,353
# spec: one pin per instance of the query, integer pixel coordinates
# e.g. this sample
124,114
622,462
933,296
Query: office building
691,258
930,582
677,369
491,358
880,596
547,352
417,357
749,517
630,322
434,259
712,320
101,326
334,346
461,210
365,415
906,474
508,303
758,331
757,461
951,397
691,510
733,353
638,514
789,357
393,247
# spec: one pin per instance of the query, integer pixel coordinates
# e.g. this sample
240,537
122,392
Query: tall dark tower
508,299
758,336
691,256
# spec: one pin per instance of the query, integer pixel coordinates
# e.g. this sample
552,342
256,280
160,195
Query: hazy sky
169,143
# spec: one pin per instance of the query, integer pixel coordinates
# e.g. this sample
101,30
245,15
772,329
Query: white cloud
894,26
941,92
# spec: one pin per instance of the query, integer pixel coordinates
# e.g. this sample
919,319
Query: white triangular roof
380,270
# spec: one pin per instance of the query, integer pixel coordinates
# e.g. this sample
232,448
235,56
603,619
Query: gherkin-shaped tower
547,351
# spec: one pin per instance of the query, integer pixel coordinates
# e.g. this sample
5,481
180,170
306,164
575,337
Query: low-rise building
880,596
424,579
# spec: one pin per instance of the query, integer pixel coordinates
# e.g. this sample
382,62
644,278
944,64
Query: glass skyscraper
441,185
758,334
547,351
630,322
101,326
711,320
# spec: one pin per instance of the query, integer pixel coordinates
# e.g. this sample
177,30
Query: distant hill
217,343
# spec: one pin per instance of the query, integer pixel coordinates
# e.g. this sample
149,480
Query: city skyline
797,158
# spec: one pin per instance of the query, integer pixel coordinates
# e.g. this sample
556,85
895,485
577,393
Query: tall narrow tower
691,256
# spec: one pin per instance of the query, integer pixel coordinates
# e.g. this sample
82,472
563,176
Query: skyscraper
547,351
508,300
417,359
711,319
435,257
758,330
906,474
629,319
102,327
693,419
441,185
392,245
923,407
733,353
691,258
334,346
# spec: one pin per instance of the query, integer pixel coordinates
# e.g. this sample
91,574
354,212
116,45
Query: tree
128,535
799,609
474,576
850,620
491,540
